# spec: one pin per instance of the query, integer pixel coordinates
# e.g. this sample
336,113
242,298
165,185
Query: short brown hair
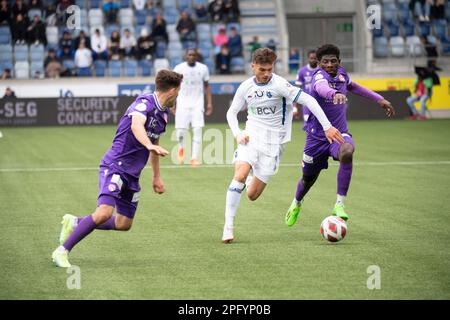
264,56
166,80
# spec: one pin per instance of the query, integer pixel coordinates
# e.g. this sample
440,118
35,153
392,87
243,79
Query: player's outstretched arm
331,132
369,94
139,132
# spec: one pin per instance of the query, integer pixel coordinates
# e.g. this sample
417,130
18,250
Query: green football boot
339,210
68,224
293,212
61,258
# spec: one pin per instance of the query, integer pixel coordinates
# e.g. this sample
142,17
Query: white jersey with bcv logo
191,95
269,106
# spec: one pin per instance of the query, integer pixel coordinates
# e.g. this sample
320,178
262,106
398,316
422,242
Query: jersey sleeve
140,107
206,74
236,106
290,92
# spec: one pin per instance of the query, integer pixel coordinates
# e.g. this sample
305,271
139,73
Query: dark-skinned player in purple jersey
329,86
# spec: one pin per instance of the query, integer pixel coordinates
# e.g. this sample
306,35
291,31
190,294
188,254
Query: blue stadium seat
397,45
175,60
409,28
425,28
381,49
21,53
70,65
237,65
440,27
7,65
22,70
141,17
37,66
378,32
5,35
37,53
130,68
124,3
160,51
33,12
110,28
189,44
210,64
81,4
390,12
115,68
394,29
414,46
200,2
171,15
145,67
99,68
167,4
95,3
184,4
6,53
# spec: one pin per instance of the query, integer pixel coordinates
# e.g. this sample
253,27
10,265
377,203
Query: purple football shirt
336,113
126,152
304,77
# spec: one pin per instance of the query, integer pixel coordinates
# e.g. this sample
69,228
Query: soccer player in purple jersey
136,139
304,78
329,87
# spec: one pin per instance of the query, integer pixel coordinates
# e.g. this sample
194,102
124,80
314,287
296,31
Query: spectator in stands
9,94
421,9
19,7
52,65
159,31
19,30
145,45
139,4
82,37
186,28
220,39
99,45
110,8
153,8
437,11
36,4
66,46
431,53
5,13
61,14
235,43
6,74
83,60
423,89
294,60
114,46
216,10
254,44
201,13
231,10
271,45
50,15
36,32
128,44
223,60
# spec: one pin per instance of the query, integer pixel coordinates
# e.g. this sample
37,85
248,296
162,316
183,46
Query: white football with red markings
333,228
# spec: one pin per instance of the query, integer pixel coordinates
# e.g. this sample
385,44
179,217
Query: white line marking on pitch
392,163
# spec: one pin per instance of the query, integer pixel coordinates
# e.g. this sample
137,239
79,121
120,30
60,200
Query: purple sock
86,226
109,224
301,191
343,178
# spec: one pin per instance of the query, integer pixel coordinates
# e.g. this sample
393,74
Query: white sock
298,203
181,136
340,199
232,202
62,249
196,142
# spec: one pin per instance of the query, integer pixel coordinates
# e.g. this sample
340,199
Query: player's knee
346,153
239,177
123,226
102,214
252,196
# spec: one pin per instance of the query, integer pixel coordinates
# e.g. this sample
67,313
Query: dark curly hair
327,49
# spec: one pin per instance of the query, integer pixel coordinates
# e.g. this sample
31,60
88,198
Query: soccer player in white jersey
190,104
269,99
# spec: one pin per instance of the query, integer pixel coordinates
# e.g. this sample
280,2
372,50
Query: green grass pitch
398,204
